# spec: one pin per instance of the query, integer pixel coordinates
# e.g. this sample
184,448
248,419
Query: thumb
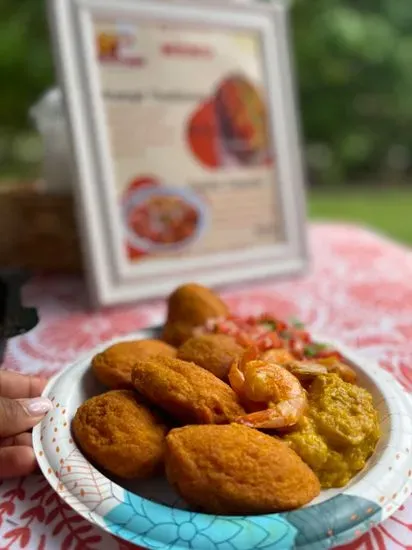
19,415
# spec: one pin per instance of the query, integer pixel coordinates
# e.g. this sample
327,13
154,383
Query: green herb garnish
270,325
296,323
311,350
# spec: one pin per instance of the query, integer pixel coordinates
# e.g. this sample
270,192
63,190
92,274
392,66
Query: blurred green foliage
25,60
353,59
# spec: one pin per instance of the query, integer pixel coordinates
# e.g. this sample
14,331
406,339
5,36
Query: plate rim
352,355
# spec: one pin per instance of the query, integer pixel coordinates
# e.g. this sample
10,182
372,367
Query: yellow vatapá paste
339,432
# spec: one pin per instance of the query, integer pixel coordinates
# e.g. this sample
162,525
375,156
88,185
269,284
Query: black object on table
14,318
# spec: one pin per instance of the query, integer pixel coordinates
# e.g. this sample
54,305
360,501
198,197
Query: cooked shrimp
333,365
262,384
281,356
303,370
308,369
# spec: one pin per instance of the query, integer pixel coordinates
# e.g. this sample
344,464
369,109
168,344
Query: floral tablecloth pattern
358,289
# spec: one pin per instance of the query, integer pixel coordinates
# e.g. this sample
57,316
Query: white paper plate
151,515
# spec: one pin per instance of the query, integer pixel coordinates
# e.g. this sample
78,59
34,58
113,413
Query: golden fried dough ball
213,352
235,470
186,391
120,434
190,306
113,366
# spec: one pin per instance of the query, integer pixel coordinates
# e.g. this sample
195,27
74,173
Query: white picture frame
112,277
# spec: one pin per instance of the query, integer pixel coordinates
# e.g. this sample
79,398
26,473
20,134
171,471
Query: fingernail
37,406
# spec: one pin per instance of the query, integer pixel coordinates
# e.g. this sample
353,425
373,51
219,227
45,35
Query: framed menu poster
185,142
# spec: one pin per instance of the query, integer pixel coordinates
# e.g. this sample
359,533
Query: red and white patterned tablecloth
359,290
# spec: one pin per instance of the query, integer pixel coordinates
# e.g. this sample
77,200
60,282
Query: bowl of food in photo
242,119
161,218
222,432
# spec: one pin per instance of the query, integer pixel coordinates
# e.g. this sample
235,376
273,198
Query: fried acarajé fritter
235,470
186,391
213,352
113,367
190,306
121,434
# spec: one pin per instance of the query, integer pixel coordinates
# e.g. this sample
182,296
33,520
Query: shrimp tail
262,419
283,415
236,378
251,354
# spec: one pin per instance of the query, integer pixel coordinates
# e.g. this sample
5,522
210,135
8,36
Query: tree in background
25,67
353,59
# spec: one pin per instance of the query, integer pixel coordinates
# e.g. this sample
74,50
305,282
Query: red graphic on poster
203,135
138,183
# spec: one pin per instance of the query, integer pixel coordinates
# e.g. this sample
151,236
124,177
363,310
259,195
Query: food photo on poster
232,126
159,217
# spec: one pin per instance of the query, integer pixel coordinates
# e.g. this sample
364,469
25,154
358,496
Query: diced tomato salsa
266,332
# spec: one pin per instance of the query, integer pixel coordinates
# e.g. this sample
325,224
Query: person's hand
21,408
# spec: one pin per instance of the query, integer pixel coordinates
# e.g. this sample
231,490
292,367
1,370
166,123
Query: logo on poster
119,46
187,50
